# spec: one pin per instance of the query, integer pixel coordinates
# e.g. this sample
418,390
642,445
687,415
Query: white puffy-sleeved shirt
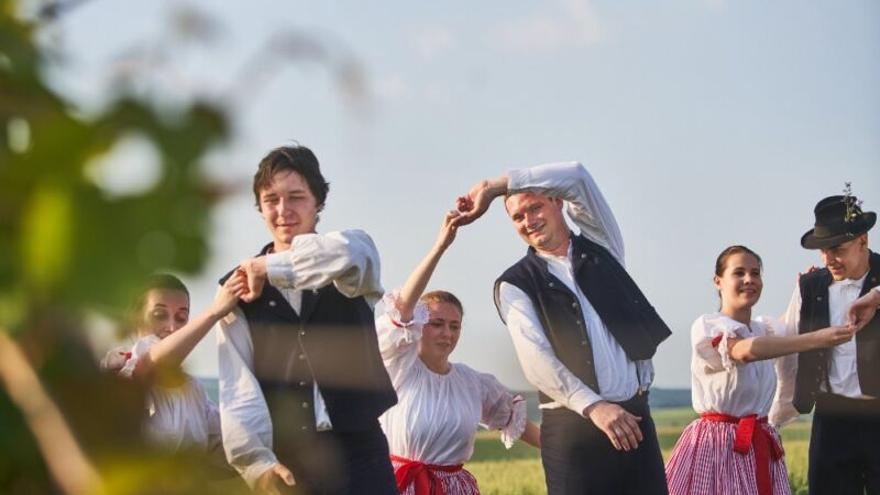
178,417
722,385
347,259
843,370
619,378
436,416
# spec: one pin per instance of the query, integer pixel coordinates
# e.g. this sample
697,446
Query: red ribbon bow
750,433
421,475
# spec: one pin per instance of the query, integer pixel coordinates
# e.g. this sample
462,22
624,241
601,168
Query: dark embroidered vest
332,341
815,314
624,310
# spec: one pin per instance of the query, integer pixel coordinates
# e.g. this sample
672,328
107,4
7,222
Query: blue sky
705,122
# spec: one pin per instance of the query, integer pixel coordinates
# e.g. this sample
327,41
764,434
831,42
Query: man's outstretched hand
473,205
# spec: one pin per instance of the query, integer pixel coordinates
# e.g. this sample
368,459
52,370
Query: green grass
518,471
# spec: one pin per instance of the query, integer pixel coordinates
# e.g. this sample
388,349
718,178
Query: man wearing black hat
843,383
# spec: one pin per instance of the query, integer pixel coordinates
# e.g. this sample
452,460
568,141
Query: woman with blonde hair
432,428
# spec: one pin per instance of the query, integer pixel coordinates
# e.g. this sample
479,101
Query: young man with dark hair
301,379
843,382
583,331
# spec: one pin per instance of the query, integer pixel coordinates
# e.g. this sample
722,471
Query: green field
518,471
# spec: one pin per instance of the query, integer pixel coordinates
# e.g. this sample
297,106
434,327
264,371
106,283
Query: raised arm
347,259
586,205
415,285
569,181
173,349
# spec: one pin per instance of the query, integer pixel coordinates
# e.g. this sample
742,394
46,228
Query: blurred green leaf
70,248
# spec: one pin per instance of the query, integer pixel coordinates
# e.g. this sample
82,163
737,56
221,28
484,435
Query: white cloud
433,41
575,23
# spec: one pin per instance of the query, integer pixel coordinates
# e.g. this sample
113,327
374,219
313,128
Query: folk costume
431,430
732,449
179,416
583,332
301,378
843,383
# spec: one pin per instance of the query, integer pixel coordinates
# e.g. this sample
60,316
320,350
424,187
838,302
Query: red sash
750,433
421,476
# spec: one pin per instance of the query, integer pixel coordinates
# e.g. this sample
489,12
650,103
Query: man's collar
850,282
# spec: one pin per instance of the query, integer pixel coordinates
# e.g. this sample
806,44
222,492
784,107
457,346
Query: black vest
624,310
815,314
332,341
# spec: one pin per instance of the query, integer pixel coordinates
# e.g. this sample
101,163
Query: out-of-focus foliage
69,247
66,242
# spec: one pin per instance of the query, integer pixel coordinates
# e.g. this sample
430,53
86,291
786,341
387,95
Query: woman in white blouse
432,428
731,448
179,413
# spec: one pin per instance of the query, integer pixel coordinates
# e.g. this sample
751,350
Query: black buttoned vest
624,310
332,341
815,314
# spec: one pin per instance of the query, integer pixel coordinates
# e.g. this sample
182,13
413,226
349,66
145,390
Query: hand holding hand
235,288
832,336
256,274
115,359
620,426
448,230
863,309
477,201
274,480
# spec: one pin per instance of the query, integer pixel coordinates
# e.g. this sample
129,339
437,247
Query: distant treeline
658,398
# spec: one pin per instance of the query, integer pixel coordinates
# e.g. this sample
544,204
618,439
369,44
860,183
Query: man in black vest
583,331
301,379
842,382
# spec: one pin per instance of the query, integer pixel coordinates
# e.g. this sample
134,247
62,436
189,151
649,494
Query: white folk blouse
721,385
436,417
178,417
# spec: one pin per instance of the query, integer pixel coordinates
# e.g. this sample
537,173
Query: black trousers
845,447
579,459
337,463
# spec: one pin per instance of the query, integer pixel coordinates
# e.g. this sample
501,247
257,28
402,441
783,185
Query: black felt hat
838,219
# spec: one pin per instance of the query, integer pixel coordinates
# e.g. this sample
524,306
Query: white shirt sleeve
244,415
586,205
215,432
502,410
783,411
348,259
708,358
539,362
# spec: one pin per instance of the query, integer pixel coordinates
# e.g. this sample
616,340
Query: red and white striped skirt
704,462
451,482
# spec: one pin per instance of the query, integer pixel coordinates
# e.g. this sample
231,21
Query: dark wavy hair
297,159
